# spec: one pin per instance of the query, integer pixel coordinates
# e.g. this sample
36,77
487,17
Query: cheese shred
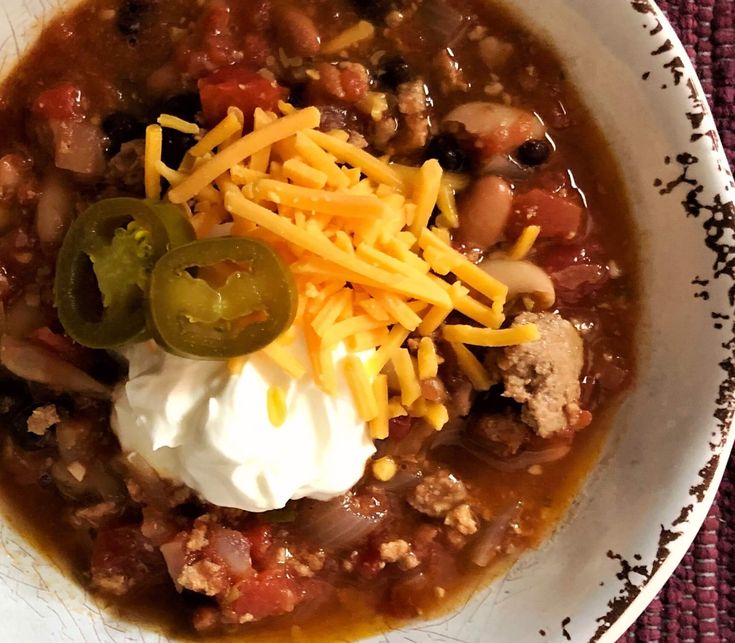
525,242
153,150
362,391
472,368
490,337
178,124
358,32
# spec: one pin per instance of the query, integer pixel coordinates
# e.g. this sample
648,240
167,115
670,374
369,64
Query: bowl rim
673,545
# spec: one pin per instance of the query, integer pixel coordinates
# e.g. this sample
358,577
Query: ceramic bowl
645,501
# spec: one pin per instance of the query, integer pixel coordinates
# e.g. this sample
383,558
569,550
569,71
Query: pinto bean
483,212
297,33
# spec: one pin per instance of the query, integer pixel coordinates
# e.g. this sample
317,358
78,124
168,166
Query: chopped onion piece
341,522
487,544
525,459
37,364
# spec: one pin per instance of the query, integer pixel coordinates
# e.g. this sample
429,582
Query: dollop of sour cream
196,423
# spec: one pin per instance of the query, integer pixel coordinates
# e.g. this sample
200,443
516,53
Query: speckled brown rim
640,582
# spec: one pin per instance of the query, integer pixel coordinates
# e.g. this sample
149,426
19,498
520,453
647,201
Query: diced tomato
260,538
555,258
558,217
578,281
369,563
62,102
354,85
577,271
268,594
237,87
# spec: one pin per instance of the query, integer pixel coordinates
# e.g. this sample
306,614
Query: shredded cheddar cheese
428,361
379,425
436,415
236,364
281,356
153,150
525,242
472,368
449,217
407,378
358,32
490,337
215,137
362,391
242,149
354,230
276,406
178,124
385,468
396,409
427,192
373,167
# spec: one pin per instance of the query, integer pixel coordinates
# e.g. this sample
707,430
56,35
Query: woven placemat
698,602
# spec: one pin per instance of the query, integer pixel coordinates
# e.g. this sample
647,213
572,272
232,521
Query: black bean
129,18
297,94
120,128
190,509
446,149
374,10
395,72
534,152
186,106
491,402
14,397
434,214
175,146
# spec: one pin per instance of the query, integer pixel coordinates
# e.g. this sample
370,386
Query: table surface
698,602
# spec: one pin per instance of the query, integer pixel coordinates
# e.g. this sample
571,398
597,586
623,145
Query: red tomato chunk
61,102
237,87
558,217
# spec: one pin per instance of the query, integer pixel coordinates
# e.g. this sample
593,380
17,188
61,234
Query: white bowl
645,501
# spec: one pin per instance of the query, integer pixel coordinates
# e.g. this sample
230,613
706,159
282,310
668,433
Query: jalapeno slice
220,298
104,265
178,227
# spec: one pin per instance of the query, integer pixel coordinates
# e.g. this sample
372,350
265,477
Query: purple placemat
698,602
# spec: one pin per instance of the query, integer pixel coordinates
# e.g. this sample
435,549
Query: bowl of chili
656,470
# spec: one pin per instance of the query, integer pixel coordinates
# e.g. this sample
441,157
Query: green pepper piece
103,268
284,515
246,310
